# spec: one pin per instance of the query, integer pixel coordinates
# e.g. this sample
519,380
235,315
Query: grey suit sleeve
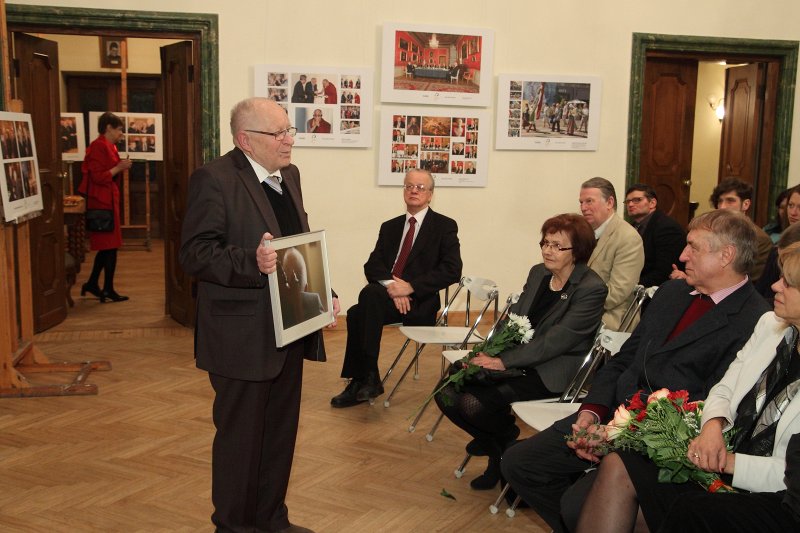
578,323
205,252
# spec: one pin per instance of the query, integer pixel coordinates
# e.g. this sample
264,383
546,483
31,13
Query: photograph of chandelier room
536,112
453,144
323,103
436,65
142,140
20,186
73,140
300,288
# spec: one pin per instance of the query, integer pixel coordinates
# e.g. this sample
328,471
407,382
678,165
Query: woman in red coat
101,166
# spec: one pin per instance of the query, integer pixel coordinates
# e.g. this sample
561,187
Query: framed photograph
453,144
537,112
300,289
323,103
73,137
111,52
20,186
446,66
143,139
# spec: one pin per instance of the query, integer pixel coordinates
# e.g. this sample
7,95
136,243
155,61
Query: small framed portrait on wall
111,52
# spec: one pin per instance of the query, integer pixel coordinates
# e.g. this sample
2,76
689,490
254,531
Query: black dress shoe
370,388
348,396
113,296
91,289
489,479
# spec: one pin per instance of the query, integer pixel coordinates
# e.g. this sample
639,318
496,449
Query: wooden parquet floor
136,457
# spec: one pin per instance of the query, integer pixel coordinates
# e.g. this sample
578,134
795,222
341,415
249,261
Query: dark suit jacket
565,333
695,360
663,240
433,264
227,213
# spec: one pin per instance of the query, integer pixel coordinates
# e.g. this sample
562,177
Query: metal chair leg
511,511
459,472
388,399
495,507
429,436
394,364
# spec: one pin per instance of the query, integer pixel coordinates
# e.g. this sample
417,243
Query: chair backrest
511,300
640,295
482,289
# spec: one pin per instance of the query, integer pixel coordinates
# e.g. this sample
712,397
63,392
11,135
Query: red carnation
682,395
641,416
636,401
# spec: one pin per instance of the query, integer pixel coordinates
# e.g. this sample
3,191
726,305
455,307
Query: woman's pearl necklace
551,285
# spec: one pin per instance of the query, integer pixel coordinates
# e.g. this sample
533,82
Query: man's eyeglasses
636,200
421,188
545,244
279,135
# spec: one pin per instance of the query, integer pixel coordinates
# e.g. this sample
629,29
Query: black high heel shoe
113,296
93,290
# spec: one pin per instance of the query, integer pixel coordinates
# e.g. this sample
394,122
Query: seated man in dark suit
416,256
690,333
662,237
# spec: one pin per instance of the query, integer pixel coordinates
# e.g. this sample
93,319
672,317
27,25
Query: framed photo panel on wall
436,65
20,186
143,139
300,288
325,104
72,136
453,144
537,112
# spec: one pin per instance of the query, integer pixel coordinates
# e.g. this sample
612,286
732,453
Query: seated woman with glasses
563,299
757,397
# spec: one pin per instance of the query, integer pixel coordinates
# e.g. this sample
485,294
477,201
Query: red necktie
699,306
400,264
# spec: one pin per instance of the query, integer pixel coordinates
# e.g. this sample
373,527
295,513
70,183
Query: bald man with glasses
416,256
236,204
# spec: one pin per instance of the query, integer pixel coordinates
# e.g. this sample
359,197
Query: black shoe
370,388
348,396
489,479
91,289
113,296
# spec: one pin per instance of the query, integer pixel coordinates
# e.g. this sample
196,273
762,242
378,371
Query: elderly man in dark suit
662,237
690,333
236,204
416,256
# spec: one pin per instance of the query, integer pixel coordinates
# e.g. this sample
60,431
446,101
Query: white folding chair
441,333
541,414
452,356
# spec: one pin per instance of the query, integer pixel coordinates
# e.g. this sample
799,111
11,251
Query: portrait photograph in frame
300,288
20,184
111,52
323,103
143,138
422,64
72,136
452,143
537,112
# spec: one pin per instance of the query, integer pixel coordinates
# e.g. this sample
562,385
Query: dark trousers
253,448
540,469
365,321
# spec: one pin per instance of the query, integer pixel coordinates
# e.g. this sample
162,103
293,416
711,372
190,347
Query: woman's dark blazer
566,332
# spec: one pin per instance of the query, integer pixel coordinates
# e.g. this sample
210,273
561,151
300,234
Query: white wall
498,224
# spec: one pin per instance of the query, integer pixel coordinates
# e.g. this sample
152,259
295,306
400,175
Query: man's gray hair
730,228
606,188
242,111
426,173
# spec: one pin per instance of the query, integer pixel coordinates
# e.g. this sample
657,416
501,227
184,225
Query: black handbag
100,220
485,376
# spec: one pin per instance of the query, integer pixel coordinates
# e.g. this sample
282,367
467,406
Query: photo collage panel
440,145
18,160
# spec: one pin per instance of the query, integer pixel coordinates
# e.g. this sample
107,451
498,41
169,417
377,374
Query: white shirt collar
274,180
419,216
602,228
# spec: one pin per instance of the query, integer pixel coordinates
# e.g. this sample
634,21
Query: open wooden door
746,134
36,83
181,128
670,86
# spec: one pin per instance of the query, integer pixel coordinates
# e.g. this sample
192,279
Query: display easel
18,353
126,194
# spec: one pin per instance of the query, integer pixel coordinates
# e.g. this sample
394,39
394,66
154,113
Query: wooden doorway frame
785,51
202,28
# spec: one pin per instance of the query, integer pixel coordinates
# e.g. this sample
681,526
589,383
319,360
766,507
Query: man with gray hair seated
690,333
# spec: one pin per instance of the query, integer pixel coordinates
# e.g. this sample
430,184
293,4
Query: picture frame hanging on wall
540,112
423,64
330,107
451,143
20,185
72,136
143,138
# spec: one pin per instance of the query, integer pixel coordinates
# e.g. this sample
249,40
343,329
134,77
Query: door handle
687,182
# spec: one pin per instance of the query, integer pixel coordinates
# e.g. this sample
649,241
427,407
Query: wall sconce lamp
717,105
